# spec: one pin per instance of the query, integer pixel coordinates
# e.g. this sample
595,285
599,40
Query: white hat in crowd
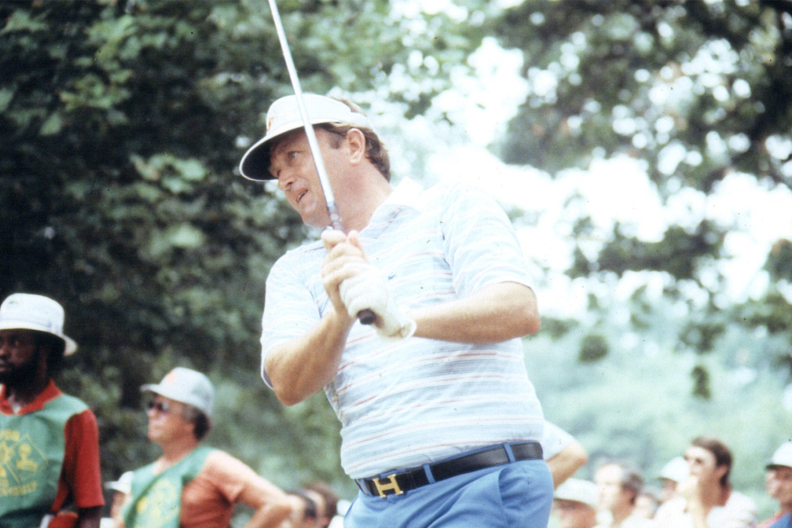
284,116
186,386
26,311
123,484
578,490
781,457
676,469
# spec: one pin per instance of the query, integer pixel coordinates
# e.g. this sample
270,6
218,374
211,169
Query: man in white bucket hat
49,441
193,485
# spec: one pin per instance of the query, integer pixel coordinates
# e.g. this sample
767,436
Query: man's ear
721,470
357,146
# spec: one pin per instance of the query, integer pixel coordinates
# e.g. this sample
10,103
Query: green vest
156,498
31,455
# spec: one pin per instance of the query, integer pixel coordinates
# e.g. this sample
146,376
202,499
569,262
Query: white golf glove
369,290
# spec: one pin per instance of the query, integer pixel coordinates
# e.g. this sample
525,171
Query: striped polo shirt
415,401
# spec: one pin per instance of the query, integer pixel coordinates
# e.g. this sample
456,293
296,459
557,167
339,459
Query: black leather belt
398,483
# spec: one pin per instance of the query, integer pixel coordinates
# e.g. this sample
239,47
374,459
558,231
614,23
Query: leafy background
122,122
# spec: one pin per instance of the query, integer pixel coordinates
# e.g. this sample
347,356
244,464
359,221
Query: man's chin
9,377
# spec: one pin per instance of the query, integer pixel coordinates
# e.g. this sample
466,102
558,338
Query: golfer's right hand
345,259
368,290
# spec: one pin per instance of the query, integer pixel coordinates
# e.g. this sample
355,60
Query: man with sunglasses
49,441
192,485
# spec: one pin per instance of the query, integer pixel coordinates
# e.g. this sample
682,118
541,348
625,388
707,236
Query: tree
121,124
698,91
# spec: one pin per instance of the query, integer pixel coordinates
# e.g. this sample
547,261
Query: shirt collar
407,194
51,391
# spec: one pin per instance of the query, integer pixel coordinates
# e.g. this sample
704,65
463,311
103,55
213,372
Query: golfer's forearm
300,368
496,313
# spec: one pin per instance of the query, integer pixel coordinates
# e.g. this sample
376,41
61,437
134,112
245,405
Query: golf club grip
366,316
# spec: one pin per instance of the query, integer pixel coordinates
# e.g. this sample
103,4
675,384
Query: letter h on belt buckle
388,485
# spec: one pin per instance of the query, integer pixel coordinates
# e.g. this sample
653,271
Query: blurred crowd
694,491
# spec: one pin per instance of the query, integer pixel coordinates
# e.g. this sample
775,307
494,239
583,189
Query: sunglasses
161,406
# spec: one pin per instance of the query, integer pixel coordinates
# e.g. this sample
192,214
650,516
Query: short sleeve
81,477
479,241
290,310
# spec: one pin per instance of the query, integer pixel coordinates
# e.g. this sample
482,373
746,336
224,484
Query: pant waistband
400,482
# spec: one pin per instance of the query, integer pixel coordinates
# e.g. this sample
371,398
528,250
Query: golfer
440,423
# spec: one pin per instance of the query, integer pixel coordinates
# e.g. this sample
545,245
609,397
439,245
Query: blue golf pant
516,495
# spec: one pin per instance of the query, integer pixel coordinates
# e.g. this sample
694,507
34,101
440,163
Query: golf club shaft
365,316
335,219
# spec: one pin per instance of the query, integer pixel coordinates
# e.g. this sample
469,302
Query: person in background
326,501
618,486
646,504
575,504
706,499
304,516
49,441
564,455
672,475
120,489
778,482
192,485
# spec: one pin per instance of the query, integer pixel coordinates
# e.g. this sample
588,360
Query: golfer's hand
368,290
345,258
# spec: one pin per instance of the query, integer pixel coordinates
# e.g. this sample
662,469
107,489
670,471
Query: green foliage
593,348
121,126
697,91
701,382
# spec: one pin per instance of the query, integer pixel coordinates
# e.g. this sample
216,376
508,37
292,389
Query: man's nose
286,178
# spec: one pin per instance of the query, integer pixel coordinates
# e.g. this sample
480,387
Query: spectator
304,516
192,485
50,439
705,499
618,486
672,475
564,455
121,489
646,504
326,501
575,504
779,486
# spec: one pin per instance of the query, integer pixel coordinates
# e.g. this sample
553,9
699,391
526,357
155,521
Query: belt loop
428,470
509,453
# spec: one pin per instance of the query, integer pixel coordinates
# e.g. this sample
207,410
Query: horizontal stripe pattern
406,403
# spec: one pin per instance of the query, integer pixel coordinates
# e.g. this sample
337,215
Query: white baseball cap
781,457
578,491
123,484
676,469
284,116
27,311
186,386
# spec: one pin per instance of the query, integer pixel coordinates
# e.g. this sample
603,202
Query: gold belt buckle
388,485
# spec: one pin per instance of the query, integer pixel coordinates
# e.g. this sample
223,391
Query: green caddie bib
31,456
156,499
